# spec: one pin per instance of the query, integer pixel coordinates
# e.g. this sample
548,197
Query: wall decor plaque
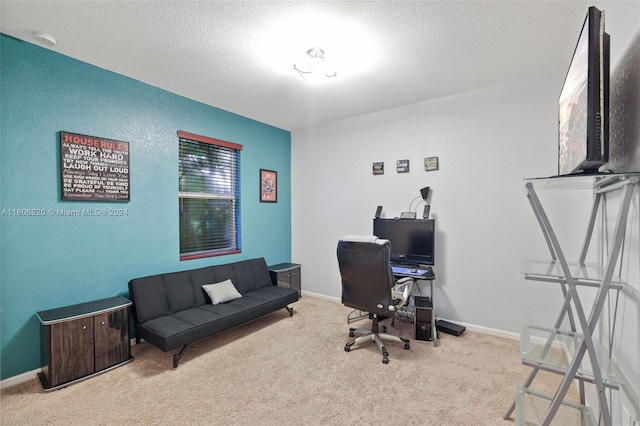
431,163
93,168
378,168
402,166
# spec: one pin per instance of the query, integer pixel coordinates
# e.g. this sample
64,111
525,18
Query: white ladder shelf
570,276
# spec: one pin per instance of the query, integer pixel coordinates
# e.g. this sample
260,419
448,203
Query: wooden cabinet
111,338
82,340
286,275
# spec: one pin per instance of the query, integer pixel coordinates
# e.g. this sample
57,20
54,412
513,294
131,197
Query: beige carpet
293,371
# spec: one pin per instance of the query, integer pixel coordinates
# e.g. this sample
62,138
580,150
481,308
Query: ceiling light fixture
315,68
44,38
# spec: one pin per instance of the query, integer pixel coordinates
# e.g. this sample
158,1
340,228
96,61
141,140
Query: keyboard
413,271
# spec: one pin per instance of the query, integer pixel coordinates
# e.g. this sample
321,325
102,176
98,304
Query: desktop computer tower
422,317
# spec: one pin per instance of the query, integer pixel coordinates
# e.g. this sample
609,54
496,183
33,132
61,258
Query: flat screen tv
412,240
583,106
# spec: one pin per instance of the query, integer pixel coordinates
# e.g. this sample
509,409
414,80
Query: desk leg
434,330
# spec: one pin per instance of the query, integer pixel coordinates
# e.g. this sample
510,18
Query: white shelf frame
601,186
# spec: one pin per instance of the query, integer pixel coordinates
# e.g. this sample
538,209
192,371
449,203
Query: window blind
209,196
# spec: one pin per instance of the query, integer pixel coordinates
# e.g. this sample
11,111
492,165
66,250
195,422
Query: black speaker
425,212
378,212
422,313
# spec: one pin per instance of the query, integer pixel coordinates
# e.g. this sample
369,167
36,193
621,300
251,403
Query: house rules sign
93,168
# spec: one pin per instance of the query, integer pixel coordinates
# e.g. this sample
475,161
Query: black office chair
368,284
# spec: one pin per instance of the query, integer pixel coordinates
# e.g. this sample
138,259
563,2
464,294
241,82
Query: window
209,195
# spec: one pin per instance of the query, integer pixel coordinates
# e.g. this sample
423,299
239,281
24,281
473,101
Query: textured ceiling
239,55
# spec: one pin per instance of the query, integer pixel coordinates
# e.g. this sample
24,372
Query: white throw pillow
221,292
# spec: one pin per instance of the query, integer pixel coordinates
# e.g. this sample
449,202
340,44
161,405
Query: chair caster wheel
384,328
351,334
385,360
406,346
347,347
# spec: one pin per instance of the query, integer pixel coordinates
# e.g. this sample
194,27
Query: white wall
487,141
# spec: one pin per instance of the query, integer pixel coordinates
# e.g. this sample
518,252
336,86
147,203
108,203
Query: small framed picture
268,186
431,163
402,166
378,168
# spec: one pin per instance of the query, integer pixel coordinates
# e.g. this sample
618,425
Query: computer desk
407,272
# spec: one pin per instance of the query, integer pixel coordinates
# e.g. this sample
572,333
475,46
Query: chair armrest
404,280
401,291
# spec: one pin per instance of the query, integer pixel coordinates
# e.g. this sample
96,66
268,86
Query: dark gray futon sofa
173,310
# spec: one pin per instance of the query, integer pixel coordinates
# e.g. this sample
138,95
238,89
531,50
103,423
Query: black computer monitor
412,240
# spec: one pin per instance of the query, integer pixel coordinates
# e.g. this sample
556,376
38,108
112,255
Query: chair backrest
366,274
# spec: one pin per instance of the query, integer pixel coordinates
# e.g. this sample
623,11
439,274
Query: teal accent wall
51,261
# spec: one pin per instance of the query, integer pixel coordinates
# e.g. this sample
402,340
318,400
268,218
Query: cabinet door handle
84,327
102,322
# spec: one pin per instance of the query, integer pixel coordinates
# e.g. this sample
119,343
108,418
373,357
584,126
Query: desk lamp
424,193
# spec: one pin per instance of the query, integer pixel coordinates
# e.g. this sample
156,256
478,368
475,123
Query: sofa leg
176,357
290,310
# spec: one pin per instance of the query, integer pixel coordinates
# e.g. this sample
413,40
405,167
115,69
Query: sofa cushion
247,275
150,296
180,294
243,271
221,292
260,272
200,277
276,297
178,329
169,325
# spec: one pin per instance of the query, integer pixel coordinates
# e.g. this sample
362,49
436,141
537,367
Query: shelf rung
578,376
577,281
553,350
529,404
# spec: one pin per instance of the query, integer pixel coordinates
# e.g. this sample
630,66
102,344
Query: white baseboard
485,330
321,296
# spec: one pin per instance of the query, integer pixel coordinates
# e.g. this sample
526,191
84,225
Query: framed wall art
431,163
378,168
402,166
268,186
93,168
